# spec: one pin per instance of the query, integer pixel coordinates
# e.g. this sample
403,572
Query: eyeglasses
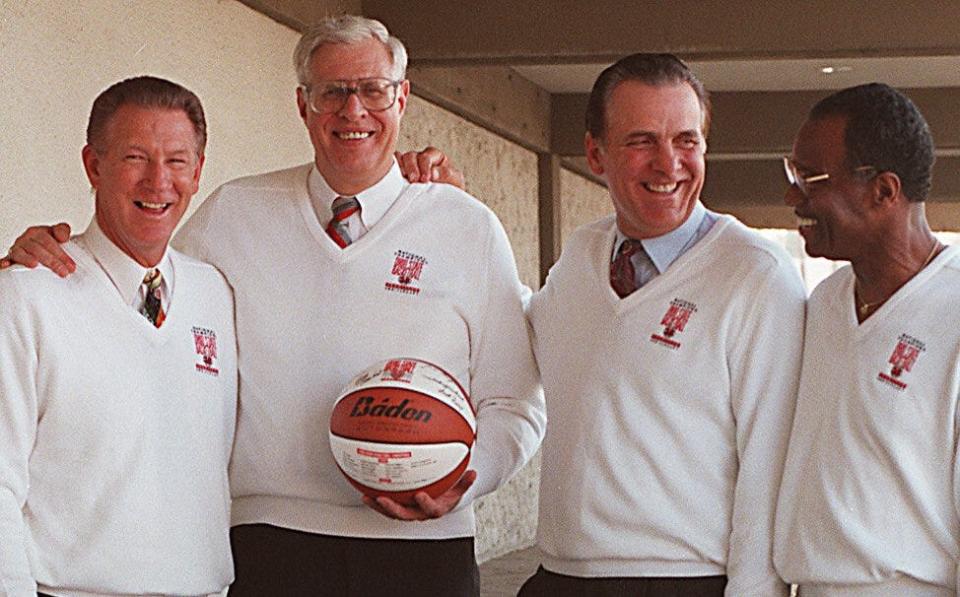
375,93
803,182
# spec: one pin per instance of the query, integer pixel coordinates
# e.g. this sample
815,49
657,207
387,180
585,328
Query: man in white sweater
668,338
118,387
322,292
869,500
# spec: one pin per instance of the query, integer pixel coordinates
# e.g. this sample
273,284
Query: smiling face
353,147
834,217
651,155
144,176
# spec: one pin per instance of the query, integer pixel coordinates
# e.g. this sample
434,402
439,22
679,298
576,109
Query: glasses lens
375,94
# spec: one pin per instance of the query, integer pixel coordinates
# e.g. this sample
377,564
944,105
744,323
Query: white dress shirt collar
125,273
374,200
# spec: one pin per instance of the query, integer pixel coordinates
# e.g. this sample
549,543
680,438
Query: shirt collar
374,200
665,249
125,273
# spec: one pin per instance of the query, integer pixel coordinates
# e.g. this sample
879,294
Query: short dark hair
146,92
650,69
886,130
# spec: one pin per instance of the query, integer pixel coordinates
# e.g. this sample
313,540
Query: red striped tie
343,208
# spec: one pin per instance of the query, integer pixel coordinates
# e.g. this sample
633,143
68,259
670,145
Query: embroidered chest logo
902,360
673,322
408,268
205,343
398,370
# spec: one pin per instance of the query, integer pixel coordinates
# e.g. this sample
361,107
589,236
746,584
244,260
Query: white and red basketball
400,427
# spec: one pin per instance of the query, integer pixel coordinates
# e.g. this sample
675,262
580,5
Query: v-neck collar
848,302
391,193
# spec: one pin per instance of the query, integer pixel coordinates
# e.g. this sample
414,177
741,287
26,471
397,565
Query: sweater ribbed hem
891,588
346,521
629,568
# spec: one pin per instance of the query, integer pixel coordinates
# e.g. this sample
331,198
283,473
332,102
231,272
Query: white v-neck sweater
434,279
871,491
115,436
669,409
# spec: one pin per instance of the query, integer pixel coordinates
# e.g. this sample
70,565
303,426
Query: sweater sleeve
764,360
505,390
18,427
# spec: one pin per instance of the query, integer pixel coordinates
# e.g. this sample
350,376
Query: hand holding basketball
426,507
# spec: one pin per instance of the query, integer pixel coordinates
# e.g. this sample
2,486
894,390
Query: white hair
347,29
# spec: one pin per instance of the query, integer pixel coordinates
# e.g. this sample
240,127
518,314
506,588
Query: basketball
400,427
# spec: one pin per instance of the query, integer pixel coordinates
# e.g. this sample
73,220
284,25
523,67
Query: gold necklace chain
863,307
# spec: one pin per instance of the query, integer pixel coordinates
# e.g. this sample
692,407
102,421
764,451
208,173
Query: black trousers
549,584
270,561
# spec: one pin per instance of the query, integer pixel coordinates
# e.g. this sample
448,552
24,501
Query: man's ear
402,92
302,103
887,188
594,150
91,163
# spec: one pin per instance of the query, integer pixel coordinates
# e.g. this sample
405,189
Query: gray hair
347,29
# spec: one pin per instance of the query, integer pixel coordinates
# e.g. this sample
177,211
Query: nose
666,158
353,107
158,175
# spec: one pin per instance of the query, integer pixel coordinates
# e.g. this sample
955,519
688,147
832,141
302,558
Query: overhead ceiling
523,69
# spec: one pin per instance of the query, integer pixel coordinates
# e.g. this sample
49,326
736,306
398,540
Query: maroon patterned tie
343,208
622,274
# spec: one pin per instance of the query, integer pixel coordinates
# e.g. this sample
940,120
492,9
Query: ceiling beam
298,14
440,32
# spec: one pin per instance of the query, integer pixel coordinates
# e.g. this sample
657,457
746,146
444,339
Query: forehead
666,109
820,144
133,124
368,58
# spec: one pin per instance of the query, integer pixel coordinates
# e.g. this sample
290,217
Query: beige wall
581,201
55,57
500,173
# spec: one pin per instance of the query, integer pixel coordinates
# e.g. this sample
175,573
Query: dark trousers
270,561
549,584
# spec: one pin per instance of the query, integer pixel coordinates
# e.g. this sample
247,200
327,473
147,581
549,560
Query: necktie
624,277
152,308
343,208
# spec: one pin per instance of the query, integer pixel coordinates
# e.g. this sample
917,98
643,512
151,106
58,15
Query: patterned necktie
343,208
624,277
152,308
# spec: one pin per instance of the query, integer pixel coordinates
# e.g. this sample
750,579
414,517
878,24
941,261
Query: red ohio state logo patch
673,322
205,343
407,267
398,370
902,360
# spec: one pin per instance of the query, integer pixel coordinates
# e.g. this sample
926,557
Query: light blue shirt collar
664,250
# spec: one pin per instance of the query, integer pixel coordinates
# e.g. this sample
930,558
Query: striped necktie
343,208
152,307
